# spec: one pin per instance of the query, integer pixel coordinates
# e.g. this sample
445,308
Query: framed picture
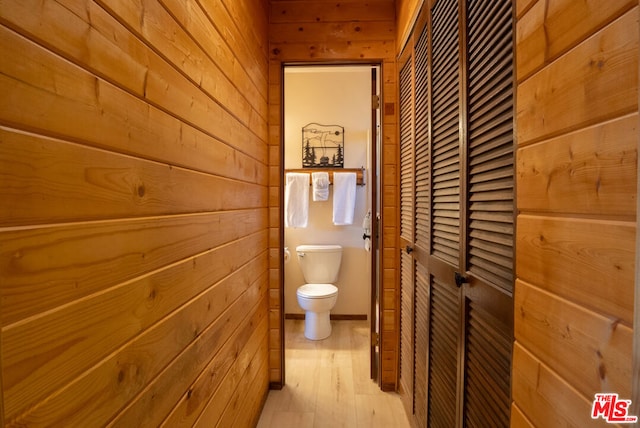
322,146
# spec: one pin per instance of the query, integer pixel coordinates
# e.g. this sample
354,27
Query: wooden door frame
375,371
376,262
635,358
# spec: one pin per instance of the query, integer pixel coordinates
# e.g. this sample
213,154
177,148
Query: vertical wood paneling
276,231
134,172
577,126
345,31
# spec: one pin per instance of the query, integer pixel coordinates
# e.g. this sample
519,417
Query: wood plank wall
134,234
577,133
327,31
407,12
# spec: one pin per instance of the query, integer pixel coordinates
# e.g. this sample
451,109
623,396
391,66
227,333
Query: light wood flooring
328,385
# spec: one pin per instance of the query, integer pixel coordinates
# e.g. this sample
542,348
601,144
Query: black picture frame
322,146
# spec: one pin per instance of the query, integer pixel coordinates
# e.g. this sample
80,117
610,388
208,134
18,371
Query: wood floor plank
327,383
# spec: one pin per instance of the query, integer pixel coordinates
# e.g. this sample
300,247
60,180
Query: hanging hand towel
320,182
296,200
344,197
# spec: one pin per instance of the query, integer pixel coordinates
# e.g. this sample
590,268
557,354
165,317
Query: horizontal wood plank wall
577,133
134,212
407,12
345,31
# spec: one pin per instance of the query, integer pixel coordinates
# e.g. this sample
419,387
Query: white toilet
320,266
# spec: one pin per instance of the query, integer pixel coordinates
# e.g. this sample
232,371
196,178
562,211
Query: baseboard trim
275,385
337,317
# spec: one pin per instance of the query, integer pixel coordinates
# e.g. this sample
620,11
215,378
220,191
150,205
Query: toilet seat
317,291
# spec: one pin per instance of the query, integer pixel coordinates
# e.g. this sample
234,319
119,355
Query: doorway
341,96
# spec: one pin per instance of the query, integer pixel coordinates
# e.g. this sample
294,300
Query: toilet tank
320,263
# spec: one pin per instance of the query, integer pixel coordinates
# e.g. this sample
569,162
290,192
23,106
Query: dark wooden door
407,228
446,210
489,244
456,172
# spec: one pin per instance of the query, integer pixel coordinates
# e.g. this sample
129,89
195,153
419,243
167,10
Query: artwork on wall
322,146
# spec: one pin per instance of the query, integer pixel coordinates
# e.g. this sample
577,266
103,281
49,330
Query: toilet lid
317,291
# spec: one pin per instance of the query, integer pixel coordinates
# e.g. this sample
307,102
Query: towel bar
359,173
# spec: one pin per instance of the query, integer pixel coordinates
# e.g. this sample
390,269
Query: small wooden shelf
359,173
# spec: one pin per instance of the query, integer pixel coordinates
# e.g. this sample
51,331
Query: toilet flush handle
300,253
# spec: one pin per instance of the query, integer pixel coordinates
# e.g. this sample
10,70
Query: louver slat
487,370
444,317
490,181
422,143
406,154
421,343
445,239
406,230
422,228
406,322
490,142
445,213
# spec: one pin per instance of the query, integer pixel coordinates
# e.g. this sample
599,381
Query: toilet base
317,325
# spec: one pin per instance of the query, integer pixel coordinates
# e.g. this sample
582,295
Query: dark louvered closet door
422,215
488,300
457,176
491,142
444,308
487,364
446,134
407,215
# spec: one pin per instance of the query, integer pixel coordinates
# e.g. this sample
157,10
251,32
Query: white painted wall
331,96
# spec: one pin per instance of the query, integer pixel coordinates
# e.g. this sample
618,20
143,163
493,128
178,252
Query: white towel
344,197
296,199
320,182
